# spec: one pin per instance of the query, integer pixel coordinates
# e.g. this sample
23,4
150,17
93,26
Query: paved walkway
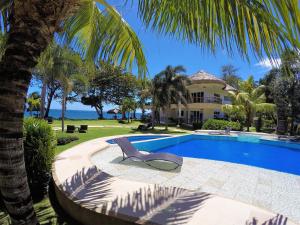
275,191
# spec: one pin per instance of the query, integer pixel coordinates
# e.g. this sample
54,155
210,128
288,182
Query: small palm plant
249,101
169,86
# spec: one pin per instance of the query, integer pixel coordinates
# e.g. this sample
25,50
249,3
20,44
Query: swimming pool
140,138
274,155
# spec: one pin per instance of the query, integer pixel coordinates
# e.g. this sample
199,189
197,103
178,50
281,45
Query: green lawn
57,123
43,208
106,131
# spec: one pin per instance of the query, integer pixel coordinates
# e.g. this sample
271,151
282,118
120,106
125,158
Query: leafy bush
213,124
39,146
197,125
66,140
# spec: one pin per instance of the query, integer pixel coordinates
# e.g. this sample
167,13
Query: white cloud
269,64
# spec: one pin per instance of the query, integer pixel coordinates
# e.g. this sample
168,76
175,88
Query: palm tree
33,102
44,72
101,32
128,104
249,100
229,75
69,70
168,87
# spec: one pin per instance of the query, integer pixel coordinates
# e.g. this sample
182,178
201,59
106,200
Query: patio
132,192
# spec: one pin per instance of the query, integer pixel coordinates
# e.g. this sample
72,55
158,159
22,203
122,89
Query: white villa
207,95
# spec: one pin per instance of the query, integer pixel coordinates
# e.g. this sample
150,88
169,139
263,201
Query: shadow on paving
147,205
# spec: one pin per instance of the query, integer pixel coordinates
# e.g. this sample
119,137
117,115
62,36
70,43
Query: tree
143,94
169,86
45,73
249,100
128,104
33,102
101,32
70,74
107,86
229,76
286,91
268,81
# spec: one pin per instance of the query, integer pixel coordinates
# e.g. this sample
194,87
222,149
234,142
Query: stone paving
271,190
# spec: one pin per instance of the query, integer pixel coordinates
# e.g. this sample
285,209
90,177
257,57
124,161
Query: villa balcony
215,100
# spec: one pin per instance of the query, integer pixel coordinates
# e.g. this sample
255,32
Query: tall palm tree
168,87
44,71
263,26
249,100
69,70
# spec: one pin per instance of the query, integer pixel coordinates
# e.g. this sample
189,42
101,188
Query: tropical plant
229,75
169,86
286,91
39,146
144,95
249,100
70,74
46,72
214,124
101,32
128,105
33,102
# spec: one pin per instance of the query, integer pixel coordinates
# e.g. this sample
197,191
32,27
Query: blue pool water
274,155
140,138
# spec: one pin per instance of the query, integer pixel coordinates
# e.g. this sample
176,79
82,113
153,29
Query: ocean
81,114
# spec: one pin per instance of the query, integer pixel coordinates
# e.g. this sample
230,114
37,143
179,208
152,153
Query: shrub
66,140
197,125
39,146
213,124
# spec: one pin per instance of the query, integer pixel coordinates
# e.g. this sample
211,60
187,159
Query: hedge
39,146
66,139
214,124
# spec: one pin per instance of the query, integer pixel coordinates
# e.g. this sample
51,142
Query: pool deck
215,193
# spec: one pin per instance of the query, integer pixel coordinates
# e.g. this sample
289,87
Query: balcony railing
216,100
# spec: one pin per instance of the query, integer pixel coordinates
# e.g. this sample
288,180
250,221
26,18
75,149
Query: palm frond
258,92
254,25
101,33
265,108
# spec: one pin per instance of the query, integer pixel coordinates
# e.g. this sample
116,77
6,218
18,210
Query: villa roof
207,77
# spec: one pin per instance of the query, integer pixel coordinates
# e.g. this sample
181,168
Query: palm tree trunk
43,99
49,101
32,25
153,117
166,120
63,109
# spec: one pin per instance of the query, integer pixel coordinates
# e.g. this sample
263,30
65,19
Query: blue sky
161,51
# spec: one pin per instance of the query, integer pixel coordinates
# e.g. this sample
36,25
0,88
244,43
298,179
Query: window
198,97
196,116
217,98
182,113
216,114
227,99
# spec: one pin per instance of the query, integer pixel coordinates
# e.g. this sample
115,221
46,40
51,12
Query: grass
57,123
107,131
44,212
